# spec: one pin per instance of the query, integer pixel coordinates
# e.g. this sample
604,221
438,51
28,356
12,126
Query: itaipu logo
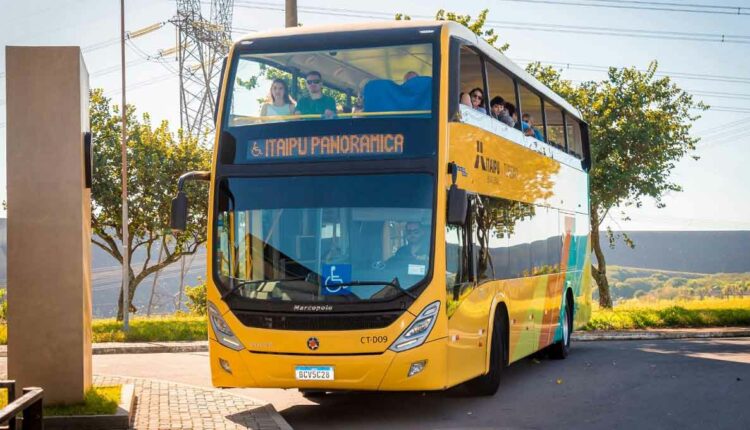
313,343
485,163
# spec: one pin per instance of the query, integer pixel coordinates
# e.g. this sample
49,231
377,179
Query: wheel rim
566,330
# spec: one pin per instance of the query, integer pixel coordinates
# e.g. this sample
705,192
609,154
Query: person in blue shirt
527,127
316,103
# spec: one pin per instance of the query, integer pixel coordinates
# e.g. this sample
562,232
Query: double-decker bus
371,229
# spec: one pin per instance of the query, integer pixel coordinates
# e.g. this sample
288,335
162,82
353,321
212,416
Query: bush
197,296
3,305
635,314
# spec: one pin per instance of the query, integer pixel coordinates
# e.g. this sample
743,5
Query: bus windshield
392,81
323,238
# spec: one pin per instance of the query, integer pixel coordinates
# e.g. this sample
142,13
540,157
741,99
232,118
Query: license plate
313,373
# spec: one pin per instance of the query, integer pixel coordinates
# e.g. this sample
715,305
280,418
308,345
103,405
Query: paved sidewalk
162,405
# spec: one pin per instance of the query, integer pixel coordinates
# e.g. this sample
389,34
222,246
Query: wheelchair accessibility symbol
333,276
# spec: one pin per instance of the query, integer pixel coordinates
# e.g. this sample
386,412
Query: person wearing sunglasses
477,100
316,103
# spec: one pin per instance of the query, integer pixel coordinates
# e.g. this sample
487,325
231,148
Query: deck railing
30,404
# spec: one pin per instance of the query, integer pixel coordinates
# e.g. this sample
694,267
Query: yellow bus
378,222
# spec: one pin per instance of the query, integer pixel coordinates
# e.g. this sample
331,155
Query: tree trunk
132,284
599,272
153,286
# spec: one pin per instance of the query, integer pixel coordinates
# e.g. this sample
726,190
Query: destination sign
346,145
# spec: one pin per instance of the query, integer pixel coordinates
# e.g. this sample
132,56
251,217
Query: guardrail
30,404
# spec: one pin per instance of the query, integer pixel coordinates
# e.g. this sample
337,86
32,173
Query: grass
96,401
142,329
154,329
635,314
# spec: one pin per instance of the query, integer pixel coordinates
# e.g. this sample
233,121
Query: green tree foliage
197,299
478,26
156,158
639,128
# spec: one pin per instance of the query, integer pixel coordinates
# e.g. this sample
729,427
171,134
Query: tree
155,160
639,127
478,26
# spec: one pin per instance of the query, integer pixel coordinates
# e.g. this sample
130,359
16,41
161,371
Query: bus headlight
417,332
224,334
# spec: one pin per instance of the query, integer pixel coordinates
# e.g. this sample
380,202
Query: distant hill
684,251
106,278
702,252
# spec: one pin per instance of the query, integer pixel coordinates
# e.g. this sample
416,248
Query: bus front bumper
387,371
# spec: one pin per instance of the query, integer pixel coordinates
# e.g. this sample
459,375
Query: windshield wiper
394,283
235,287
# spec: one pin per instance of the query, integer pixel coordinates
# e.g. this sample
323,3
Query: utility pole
124,149
291,13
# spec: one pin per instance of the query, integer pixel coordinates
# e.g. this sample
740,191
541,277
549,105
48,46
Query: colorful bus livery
371,230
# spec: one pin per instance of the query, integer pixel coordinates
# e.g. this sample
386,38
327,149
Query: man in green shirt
316,103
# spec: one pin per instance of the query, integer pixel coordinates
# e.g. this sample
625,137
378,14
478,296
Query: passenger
477,100
416,248
527,126
499,112
496,107
464,99
511,110
278,102
410,74
316,103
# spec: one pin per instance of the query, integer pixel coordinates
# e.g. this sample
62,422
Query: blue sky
715,195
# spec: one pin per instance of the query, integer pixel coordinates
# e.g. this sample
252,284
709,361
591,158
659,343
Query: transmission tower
202,43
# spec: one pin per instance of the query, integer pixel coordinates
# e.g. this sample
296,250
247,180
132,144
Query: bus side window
555,132
573,130
501,91
470,78
531,114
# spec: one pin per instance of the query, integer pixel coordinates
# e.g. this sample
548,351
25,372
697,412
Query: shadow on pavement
625,384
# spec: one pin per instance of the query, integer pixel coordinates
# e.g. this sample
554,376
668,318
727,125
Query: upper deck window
555,132
575,145
384,82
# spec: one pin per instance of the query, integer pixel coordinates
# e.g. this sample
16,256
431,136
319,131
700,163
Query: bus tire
487,384
560,349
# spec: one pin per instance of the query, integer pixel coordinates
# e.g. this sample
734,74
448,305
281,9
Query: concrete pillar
49,222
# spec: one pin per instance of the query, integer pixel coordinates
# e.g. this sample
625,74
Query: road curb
604,335
580,336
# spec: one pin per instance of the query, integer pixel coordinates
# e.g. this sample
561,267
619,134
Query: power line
729,124
599,68
719,94
648,5
529,26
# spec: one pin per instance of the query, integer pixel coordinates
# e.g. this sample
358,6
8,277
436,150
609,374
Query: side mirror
458,206
178,220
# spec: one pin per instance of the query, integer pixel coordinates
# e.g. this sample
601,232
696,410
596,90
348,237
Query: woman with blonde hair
278,102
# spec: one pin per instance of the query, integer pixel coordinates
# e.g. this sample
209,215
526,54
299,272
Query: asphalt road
669,384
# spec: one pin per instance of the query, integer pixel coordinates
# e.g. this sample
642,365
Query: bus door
467,302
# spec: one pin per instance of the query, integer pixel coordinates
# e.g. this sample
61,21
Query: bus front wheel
487,384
